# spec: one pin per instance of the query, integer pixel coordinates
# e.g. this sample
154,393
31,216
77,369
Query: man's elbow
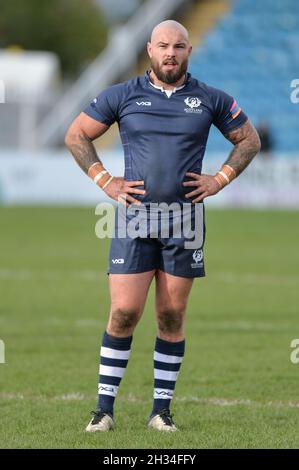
253,142
68,139
257,146
75,135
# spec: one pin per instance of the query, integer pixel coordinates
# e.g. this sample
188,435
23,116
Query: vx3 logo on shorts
118,261
198,257
144,103
193,103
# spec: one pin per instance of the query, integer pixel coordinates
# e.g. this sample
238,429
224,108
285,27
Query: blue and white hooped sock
115,353
168,357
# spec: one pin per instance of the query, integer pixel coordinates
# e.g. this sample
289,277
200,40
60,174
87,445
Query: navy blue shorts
172,244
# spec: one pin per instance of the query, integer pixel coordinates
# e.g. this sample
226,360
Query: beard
170,76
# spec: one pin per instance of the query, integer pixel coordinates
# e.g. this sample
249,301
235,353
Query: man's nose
170,52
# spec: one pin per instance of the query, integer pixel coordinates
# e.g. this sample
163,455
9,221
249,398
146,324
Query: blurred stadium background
252,53
54,58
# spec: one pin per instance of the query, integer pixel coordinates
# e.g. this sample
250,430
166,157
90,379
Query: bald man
164,119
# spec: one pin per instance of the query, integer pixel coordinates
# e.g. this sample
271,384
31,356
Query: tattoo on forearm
246,145
84,152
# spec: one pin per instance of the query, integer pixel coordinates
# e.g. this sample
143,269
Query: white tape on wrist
99,176
107,182
224,176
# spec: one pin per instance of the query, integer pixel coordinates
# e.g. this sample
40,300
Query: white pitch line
236,402
243,326
51,275
76,396
255,278
94,276
222,402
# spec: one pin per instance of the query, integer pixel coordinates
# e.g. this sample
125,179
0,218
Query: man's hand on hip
122,190
205,185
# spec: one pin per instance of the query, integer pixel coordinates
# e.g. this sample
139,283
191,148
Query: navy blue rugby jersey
164,137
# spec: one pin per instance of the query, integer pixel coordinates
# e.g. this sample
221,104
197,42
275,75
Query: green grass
237,387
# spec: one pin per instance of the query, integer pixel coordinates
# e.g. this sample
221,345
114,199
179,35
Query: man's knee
123,320
170,320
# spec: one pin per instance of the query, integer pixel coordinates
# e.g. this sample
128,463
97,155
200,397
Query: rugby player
164,118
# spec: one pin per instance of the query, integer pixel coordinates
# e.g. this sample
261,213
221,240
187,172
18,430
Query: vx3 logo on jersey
143,103
193,104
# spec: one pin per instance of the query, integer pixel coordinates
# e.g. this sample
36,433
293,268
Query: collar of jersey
167,92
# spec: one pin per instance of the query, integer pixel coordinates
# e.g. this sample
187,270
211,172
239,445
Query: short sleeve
105,106
227,113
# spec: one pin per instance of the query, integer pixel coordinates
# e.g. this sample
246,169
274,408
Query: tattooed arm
246,145
79,139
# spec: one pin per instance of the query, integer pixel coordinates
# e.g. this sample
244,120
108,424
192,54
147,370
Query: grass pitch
237,387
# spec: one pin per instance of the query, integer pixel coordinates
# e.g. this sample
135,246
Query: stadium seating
253,55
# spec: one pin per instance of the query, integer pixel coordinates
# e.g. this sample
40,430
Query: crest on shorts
197,256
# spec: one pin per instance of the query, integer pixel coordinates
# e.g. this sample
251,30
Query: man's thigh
129,291
172,292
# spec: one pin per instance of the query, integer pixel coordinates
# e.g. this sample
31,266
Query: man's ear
149,49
